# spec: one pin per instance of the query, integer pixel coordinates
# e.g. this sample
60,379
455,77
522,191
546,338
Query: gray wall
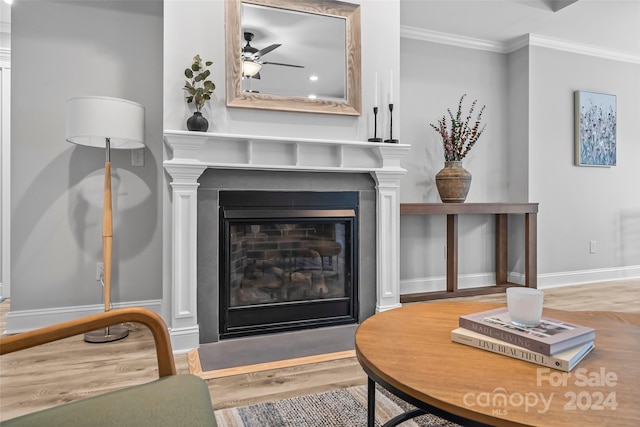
518,119
126,49
580,204
433,78
64,49
199,29
525,155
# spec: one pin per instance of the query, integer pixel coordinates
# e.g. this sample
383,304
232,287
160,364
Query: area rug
337,408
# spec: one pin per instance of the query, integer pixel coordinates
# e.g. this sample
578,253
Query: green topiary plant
198,87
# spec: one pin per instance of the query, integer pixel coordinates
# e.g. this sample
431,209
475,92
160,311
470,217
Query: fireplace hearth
287,261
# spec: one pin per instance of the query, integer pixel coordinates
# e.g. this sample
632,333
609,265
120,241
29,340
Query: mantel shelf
231,151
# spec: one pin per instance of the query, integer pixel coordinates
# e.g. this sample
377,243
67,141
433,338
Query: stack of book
552,343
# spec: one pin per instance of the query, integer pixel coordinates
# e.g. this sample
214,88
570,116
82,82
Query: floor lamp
98,121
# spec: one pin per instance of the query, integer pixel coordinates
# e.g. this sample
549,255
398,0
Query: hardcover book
550,337
563,361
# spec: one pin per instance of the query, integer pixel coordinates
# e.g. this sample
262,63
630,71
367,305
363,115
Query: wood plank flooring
72,369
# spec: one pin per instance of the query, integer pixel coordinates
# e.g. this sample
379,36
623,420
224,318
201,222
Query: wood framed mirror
293,55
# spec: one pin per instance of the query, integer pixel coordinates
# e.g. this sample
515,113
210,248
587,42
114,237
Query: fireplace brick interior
266,258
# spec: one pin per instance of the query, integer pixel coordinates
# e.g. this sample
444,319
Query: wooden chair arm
164,353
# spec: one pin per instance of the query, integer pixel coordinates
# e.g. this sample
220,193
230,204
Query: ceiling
607,24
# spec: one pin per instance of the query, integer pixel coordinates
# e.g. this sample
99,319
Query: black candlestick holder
375,126
391,140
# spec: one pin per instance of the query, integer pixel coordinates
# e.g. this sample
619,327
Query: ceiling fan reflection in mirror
251,64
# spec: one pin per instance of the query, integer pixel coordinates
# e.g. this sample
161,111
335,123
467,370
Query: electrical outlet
99,271
592,247
137,157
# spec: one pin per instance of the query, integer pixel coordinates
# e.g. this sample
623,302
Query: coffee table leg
371,402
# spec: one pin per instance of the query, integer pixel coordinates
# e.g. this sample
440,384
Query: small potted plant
199,89
458,137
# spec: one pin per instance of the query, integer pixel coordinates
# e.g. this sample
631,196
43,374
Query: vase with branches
458,136
199,89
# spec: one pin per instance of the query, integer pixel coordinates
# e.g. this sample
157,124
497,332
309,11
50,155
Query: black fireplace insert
288,261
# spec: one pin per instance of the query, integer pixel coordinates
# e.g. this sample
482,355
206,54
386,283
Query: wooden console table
501,211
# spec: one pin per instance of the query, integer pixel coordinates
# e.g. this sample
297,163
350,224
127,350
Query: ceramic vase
453,182
197,122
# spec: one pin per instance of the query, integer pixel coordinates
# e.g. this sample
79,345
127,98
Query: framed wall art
595,129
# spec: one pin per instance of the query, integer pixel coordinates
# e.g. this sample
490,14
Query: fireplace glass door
285,269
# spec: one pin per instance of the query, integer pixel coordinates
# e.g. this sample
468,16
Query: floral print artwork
595,129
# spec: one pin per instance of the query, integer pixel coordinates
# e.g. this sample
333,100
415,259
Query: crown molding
583,49
515,44
450,39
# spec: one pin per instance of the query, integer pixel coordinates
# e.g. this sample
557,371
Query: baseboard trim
583,277
26,320
547,280
439,283
184,339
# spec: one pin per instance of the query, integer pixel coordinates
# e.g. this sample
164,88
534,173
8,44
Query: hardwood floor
72,369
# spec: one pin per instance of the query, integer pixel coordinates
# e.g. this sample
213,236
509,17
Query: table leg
531,250
371,403
452,253
502,240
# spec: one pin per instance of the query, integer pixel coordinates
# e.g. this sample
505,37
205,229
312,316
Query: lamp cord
102,283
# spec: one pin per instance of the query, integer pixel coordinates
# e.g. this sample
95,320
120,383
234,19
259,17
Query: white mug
525,306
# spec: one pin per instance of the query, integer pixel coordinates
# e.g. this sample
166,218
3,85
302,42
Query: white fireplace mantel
193,152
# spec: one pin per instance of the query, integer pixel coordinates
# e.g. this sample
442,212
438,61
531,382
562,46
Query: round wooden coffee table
409,352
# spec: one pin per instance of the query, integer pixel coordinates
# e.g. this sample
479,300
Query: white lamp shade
92,119
250,68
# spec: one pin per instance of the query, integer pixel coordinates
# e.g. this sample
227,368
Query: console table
501,212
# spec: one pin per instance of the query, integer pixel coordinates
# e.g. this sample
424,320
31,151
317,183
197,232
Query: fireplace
312,226
201,165
287,261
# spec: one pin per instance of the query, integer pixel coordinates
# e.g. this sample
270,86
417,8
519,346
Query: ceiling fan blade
284,65
266,50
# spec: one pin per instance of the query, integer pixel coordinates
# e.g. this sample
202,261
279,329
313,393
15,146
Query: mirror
293,55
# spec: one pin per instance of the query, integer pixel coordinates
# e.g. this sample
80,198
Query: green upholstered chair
172,400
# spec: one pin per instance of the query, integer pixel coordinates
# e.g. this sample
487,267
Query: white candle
375,100
391,87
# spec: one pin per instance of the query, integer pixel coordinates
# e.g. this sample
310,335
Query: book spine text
511,351
504,335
